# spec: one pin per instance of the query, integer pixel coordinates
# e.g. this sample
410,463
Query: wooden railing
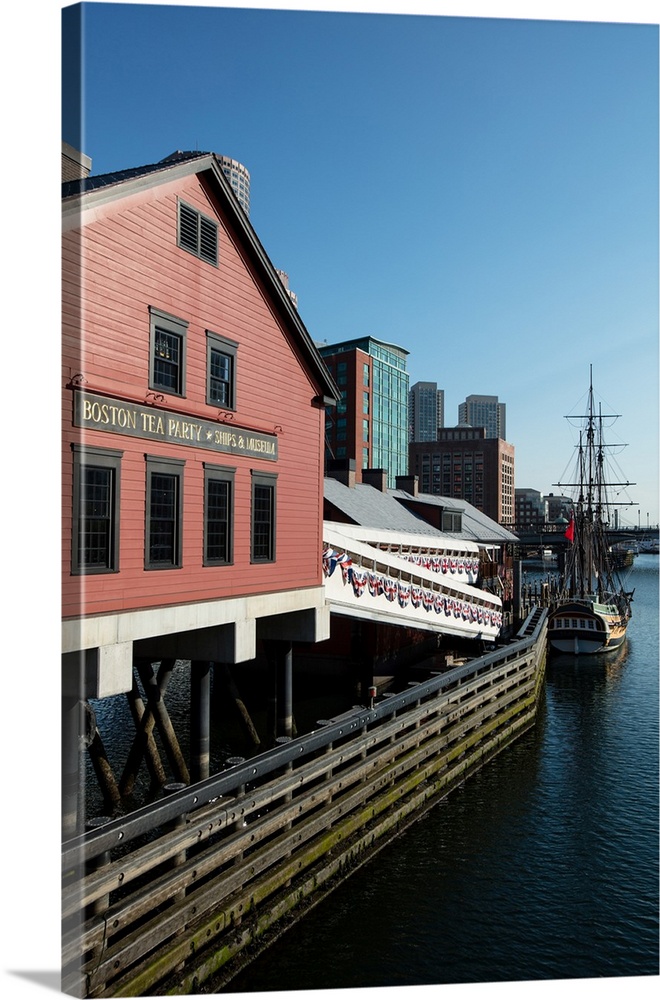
164,899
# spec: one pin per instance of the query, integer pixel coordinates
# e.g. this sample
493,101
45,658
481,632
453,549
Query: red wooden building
193,420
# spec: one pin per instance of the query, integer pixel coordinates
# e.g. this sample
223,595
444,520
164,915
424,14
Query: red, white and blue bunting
359,581
407,593
456,566
332,559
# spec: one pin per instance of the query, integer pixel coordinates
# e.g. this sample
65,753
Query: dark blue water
542,867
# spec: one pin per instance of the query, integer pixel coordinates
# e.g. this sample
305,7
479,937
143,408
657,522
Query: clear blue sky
480,191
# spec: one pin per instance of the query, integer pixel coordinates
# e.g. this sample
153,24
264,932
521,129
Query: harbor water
544,866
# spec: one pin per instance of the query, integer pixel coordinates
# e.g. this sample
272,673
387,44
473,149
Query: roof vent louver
198,234
208,240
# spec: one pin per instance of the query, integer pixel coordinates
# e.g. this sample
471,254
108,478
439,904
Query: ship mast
589,511
589,571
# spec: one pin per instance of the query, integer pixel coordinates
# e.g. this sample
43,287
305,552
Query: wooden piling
155,689
143,745
104,773
238,704
285,689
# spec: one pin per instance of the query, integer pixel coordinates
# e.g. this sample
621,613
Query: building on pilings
193,413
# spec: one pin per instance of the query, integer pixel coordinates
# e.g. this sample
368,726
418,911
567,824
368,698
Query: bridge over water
551,535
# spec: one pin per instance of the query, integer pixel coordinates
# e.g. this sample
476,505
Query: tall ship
593,610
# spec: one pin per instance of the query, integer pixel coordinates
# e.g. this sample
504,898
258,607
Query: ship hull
586,628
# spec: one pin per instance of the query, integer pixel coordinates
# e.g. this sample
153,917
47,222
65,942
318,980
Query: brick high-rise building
466,464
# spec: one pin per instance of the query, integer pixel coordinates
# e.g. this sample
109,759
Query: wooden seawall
170,899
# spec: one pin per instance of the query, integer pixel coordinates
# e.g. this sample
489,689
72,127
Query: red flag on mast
570,531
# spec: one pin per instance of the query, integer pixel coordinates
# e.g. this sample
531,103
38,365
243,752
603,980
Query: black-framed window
197,233
221,370
218,515
451,521
167,361
96,492
164,522
263,516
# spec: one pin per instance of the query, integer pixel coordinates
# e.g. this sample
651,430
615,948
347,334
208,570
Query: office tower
484,411
426,411
531,507
74,164
467,465
284,278
440,408
239,178
370,424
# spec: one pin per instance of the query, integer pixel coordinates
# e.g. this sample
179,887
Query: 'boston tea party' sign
118,417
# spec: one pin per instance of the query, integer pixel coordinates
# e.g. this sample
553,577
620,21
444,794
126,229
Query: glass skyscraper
426,411
371,421
484,411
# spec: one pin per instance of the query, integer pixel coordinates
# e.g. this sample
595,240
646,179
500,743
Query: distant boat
622,555
593,610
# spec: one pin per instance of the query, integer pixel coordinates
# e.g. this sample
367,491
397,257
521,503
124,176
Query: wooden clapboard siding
123,260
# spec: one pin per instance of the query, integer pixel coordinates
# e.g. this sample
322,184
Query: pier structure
177,895
376,584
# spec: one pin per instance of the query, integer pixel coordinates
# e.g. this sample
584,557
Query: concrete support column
285,688
200,719
280,699
71,716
